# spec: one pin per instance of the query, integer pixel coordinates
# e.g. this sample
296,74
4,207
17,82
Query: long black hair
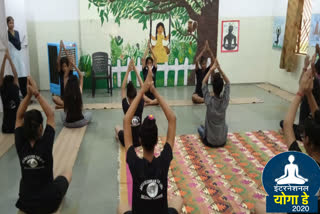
164,30
149,133
131,90
217,83
64,60
32,121
147,59
312,130
73,99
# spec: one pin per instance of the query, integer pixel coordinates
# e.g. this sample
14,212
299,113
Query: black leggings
23,85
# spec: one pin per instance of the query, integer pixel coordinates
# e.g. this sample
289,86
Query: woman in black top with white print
39,191
128,93
150,174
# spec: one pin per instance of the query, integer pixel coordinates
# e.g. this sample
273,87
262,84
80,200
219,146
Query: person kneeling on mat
9,90
39,192
150,174
201,72
72,116
127,99
215,131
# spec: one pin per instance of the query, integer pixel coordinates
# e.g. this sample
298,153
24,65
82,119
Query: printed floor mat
214,180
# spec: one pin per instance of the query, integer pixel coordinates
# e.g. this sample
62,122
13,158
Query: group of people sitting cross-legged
39,191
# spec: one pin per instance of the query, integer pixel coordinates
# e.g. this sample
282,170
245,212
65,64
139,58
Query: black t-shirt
295,147
150,182
136,120
200,74
154,76
36,163
10,101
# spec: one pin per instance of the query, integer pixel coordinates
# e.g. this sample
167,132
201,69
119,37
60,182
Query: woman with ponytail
150,174
128,96
72,117
39,192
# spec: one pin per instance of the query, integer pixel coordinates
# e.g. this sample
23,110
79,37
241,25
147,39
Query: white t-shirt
17,59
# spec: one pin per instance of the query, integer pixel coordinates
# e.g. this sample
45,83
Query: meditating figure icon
291,174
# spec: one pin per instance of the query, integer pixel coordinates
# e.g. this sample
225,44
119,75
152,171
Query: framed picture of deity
230,31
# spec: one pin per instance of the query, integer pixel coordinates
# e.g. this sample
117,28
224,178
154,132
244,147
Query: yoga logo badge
152,189
291,180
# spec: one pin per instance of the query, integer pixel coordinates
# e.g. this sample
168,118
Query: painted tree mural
192,20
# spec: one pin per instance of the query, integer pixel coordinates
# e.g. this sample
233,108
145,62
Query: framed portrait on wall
230,31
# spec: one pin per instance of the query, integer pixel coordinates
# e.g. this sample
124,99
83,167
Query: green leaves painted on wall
141,10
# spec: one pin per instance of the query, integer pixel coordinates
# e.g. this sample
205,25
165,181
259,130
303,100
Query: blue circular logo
292,180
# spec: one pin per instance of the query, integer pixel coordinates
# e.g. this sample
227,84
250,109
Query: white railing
164,67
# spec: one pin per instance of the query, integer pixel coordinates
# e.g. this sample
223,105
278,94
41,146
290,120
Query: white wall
255,62
245,8
49,21
279,77
255,23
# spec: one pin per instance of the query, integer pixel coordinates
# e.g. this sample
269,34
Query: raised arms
210,53
33,90
155,61
42,101
138,75
199,56
13,68
59,56
306,84
171,132
145,55
212,68
224,76
79,74
3,65
125,80
149,49
132,109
